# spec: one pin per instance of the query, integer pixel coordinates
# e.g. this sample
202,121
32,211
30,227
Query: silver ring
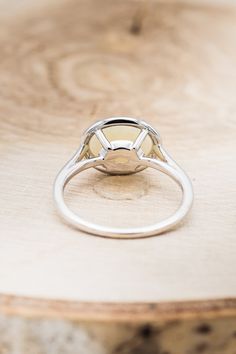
121,146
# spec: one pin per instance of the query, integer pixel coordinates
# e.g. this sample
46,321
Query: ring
120,146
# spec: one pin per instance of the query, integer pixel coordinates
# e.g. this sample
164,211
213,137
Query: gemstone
120,133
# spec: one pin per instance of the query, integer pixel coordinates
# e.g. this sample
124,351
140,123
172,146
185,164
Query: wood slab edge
11,305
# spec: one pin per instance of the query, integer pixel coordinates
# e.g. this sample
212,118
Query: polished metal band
127,145
169,168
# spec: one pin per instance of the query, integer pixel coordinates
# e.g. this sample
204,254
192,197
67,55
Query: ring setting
121,146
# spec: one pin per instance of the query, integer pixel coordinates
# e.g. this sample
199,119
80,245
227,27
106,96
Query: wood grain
64,65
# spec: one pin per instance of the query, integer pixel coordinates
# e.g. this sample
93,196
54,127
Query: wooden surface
160,332
62,68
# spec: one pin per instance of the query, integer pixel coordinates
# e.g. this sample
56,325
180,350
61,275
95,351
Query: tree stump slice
63,66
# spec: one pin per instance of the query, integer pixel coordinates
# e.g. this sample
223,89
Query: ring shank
177,174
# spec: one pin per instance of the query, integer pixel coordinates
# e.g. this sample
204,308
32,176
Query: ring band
122,146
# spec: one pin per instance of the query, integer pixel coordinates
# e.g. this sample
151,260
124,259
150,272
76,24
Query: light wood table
64,65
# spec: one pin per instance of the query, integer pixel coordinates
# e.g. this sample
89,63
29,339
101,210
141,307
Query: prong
138,142
103,140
